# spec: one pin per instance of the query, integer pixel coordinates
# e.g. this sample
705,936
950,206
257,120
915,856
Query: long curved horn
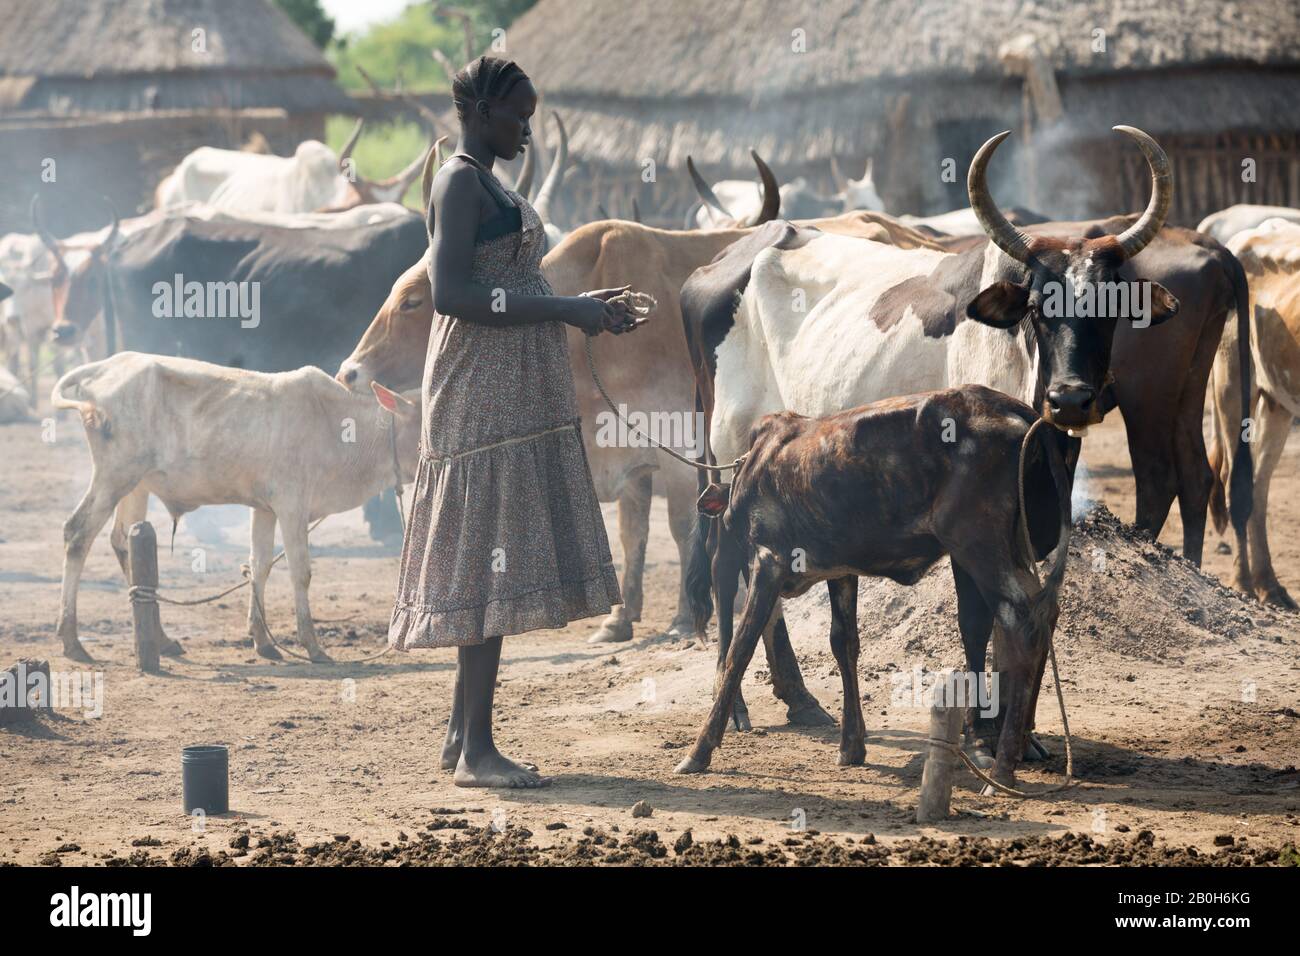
705,191
401,182
1002,234
771,193
524,181
111,239
837,175
432,163
1135,238
38,224
555,175
348,146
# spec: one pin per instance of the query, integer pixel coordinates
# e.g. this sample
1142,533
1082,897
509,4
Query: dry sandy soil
1182,699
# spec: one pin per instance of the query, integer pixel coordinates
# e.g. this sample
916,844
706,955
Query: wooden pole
936,778
142,548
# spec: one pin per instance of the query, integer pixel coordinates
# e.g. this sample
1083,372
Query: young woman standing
505,533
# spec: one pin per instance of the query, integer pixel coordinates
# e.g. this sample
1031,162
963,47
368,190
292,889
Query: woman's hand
593,315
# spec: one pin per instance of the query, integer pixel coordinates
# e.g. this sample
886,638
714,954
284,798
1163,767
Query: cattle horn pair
1132,240
842,181
771,192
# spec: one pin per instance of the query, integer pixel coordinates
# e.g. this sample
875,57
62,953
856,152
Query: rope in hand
640,305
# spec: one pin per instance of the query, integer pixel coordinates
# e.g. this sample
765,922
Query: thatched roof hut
117,91
74,57
913,83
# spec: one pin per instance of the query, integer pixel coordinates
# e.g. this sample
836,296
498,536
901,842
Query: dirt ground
1183,703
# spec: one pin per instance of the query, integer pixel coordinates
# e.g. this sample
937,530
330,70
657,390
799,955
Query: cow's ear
388,400
1002,305
5,292
1164,304
714,500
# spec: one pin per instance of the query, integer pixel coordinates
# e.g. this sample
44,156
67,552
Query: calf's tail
1241,482
92,417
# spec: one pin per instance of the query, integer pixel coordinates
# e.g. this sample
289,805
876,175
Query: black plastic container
205,778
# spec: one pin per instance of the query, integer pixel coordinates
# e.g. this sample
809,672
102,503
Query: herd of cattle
779,330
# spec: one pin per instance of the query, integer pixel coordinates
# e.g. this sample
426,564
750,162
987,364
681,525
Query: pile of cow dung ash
1124,594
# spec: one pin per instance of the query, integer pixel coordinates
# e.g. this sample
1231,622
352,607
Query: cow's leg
1155,472
261,552
975,621
134,507
801,707
844,645
293,526
726,582
1195,480
79,533
1274,425
682,518
633,531
1026,650
758,616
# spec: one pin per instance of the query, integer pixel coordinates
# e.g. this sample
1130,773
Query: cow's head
393,347
77,293
394,344
857,194
1070,290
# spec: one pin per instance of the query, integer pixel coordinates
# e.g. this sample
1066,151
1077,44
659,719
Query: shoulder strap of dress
489,180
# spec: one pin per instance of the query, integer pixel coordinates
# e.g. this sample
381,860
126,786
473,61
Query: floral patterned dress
505,533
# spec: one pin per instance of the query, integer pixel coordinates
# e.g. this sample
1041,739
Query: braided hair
488,77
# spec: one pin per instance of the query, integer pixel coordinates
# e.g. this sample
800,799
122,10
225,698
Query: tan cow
1270,255
650,372
293,446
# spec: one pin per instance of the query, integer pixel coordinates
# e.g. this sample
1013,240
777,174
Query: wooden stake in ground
142,547
936,778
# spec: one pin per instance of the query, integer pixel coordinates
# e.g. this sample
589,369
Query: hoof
268,650
809,714
318,656
684,627
170,648
75,652
740,717
981,756
1223,548
1278,597
1009,780
1034,749
692,765
853,757
612,632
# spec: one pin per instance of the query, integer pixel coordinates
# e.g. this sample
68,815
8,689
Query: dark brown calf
887,490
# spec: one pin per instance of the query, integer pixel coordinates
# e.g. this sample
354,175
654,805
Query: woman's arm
455,200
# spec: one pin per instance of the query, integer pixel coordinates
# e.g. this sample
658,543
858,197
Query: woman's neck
471,145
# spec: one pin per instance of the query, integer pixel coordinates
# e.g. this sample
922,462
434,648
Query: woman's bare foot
492,769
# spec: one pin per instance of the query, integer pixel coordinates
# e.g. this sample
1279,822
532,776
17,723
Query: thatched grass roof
712,78
66,57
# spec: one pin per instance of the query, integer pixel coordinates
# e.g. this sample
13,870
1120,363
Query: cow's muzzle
1072,406
64,333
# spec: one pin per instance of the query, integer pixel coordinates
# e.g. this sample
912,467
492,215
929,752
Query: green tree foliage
311,19
401,47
